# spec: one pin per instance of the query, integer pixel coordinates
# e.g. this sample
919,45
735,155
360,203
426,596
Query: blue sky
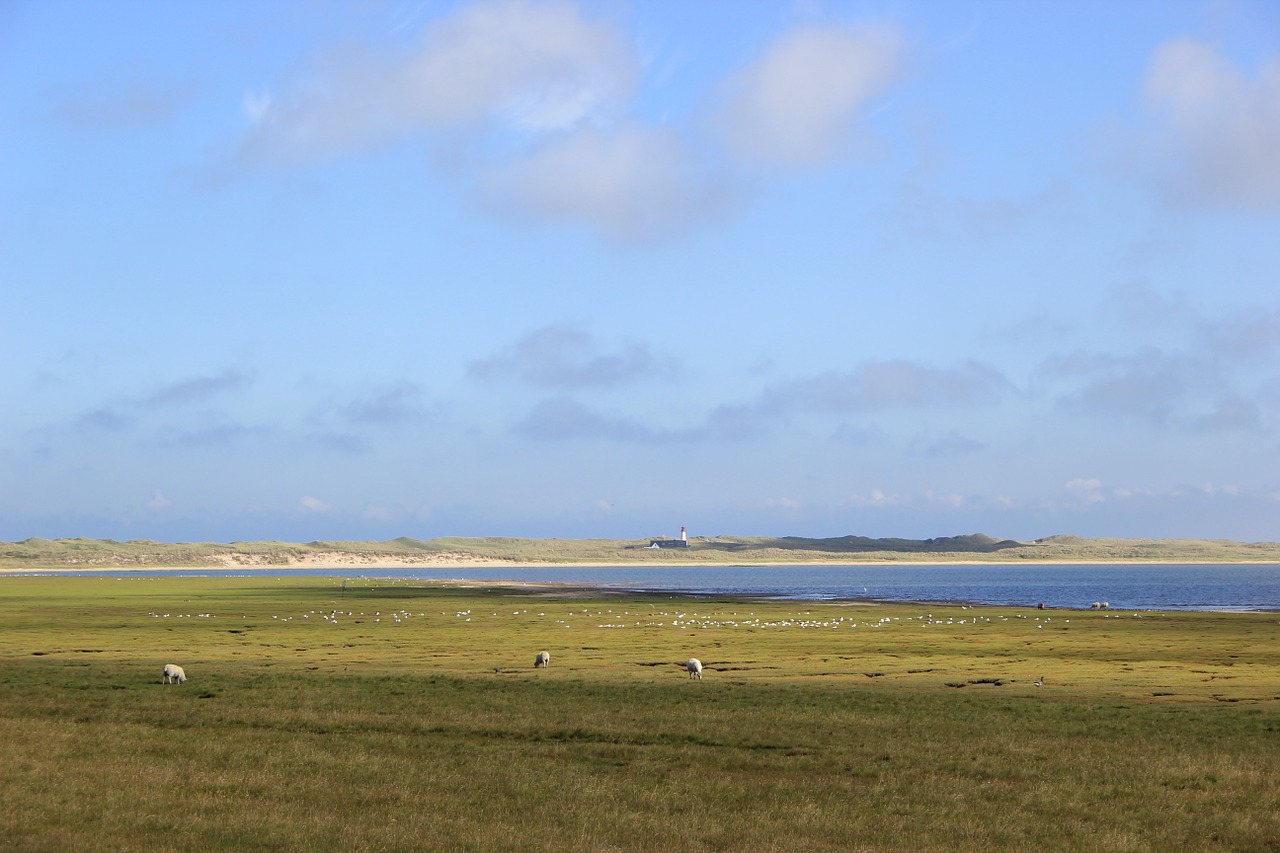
312,270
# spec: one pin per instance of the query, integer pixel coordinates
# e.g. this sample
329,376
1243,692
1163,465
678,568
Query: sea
1145,586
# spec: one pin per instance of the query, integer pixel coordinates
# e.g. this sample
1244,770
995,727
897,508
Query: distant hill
976,547
977,543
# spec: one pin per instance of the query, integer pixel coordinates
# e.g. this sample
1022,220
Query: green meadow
407,715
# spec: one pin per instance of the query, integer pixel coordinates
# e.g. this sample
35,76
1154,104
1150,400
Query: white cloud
878,498
310,504
1087,490
795,107
532,104
1217,131
538,65
515,64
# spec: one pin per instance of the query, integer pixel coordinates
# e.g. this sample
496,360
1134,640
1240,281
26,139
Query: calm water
1144,587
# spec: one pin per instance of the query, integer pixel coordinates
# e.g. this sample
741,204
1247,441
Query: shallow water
1165,586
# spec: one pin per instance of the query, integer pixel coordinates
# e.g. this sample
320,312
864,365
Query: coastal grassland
96,553
407,715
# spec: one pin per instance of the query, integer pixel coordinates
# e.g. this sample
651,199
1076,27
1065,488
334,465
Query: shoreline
587,589
573,589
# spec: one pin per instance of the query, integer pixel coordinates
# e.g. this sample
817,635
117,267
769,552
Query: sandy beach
339,560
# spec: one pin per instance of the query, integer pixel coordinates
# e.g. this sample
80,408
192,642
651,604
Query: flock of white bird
659,619
652,618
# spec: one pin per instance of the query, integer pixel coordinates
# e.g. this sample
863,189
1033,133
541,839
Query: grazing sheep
174,674
1095,606
543,659
695,668
1105,605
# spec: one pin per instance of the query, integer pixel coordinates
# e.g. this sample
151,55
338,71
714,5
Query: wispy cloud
634,182
567,420
350,423
873,387
530,67
347,443
1174,390
181,397
400,403
948,445
566,358
197,389
1207,373
1242,336
1087,490
926,212
125,98
308,503
105,418
213,431
129,409
1215,128
890,385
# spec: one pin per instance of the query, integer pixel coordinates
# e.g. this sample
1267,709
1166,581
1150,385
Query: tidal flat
408,715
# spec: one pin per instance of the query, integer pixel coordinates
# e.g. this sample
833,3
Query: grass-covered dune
89,553
383,715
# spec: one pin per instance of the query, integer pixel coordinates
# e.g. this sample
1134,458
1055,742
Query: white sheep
695,668
174,674
1105,605
1095,606
543,659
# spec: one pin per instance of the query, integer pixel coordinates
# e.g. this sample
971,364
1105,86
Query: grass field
408,716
